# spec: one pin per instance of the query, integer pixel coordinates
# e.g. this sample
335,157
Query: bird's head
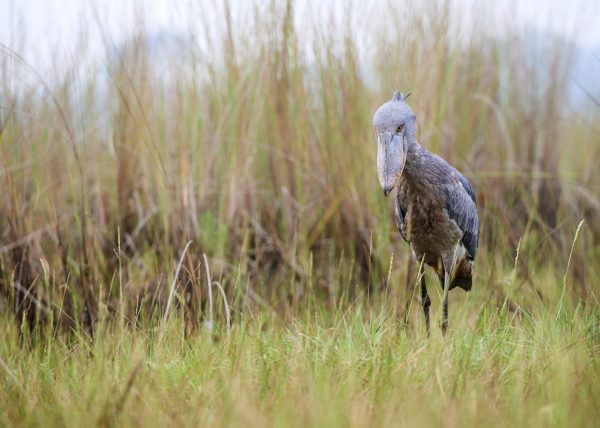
395,127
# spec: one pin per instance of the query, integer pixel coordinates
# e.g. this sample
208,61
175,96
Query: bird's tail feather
463,282
463,277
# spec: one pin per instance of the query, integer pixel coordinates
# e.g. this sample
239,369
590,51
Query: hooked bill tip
387,190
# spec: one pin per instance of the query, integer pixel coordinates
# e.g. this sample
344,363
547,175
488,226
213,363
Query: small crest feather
399,96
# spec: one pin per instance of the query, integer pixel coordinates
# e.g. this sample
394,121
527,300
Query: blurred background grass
251,137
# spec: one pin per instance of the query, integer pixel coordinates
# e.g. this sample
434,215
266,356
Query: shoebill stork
436,211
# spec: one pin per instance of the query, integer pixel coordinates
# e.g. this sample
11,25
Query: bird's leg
409,288
425,300
445,302
449,265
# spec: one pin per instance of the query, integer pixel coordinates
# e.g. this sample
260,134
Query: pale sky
46,32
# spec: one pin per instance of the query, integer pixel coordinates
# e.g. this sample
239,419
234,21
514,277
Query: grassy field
357,367
195,235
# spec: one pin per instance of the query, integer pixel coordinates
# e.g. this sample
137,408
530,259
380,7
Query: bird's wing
462,208
401,209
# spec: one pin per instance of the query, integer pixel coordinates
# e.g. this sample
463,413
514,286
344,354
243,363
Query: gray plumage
436,209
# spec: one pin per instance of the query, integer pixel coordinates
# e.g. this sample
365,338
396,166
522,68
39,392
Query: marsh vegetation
294,304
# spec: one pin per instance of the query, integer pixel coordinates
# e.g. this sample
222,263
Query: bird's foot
444,327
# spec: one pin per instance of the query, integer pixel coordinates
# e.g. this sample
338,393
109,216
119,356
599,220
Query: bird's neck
415,172
414,155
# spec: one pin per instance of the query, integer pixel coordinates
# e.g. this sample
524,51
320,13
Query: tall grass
357,368
263,157
260,151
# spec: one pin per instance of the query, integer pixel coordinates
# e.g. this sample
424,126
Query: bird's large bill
391,156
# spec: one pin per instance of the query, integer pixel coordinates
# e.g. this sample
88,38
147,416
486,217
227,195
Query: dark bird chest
428,227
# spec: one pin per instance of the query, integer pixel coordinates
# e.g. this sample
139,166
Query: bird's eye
399,129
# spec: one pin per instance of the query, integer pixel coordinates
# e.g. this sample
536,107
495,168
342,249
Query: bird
435,209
